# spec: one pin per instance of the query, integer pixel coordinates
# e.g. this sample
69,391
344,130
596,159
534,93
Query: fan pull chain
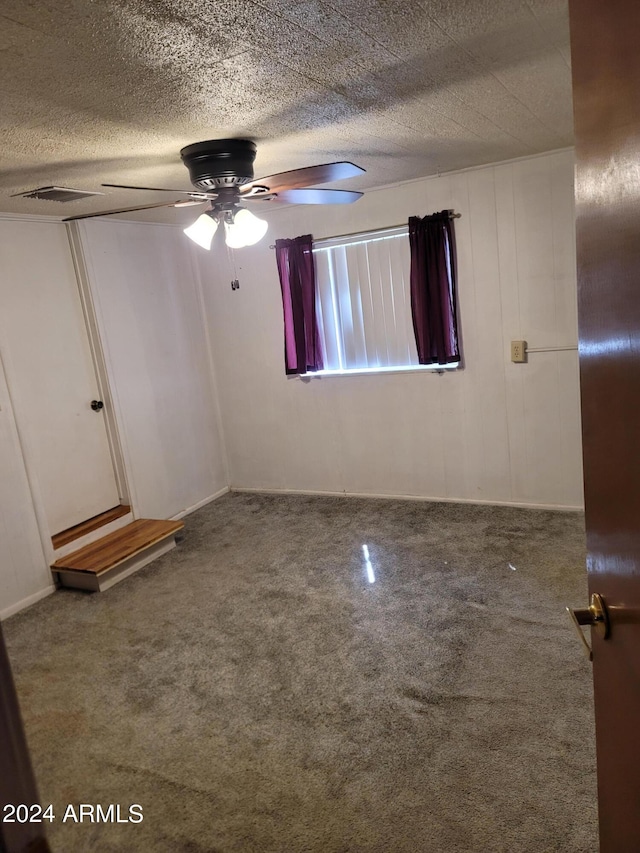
231,255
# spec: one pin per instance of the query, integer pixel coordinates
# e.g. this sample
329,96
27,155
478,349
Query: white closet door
51,375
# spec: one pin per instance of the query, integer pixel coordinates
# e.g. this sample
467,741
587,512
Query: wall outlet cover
518,352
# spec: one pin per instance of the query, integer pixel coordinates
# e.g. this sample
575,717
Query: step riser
101,582
117,555
93,536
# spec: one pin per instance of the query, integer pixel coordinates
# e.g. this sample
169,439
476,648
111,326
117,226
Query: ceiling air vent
56,194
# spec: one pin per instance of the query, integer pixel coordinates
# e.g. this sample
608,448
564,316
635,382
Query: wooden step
88,526
108,560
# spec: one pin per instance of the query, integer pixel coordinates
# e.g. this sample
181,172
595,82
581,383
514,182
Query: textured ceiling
110,90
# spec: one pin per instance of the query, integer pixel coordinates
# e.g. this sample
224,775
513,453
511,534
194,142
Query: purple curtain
433,288
302,351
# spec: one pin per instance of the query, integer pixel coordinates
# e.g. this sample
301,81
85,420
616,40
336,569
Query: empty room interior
291,456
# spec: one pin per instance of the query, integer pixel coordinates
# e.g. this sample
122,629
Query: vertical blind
363,304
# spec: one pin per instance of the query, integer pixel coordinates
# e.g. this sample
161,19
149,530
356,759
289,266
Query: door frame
99,362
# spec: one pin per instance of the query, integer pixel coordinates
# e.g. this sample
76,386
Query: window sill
380,371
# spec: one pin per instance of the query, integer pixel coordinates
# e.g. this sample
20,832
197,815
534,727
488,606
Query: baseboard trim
200,504
26,602
519,505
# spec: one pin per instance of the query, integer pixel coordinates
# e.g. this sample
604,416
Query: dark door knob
96,405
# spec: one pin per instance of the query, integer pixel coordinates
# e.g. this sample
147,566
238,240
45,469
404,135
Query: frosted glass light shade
202,230
245,230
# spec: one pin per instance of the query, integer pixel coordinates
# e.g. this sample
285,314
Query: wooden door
606,82
51,375
17,783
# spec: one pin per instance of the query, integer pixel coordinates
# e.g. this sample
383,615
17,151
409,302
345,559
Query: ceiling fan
222,172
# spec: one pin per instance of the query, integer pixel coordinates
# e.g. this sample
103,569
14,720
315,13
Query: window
363,303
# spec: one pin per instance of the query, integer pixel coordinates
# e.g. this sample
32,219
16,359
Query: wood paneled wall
24,574
147,298
494,431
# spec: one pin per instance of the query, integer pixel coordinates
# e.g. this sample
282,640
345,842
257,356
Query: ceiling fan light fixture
221,170
245,230
202,230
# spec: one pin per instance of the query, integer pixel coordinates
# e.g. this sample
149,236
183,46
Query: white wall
37,318
147,298
494,431
24,574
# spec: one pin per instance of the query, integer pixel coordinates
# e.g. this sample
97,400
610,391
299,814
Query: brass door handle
595,615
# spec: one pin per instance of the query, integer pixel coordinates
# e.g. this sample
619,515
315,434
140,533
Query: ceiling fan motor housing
219,163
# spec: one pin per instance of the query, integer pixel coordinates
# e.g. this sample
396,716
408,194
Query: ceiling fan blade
120,210
191,193
306,177
189,202
312,196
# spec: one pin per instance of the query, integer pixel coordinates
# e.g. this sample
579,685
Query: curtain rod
452,215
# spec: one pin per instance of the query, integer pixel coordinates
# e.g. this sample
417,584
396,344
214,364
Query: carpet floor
268,688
